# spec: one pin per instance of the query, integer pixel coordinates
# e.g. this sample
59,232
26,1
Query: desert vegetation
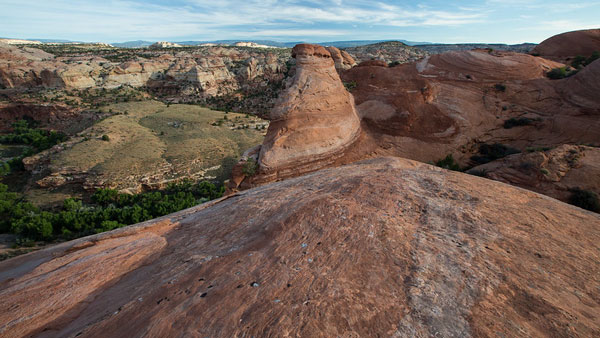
518,122
449,163
585,199
561,73
491,152
32,141
107,210
580,61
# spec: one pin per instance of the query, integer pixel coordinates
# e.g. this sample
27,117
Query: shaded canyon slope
383,247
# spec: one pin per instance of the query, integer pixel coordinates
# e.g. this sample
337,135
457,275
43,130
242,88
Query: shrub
250,167
578,61
24,133
110,210
517,122
595,56
350,85
561,73
105,138
500,87
449,163
536,149
585,199
491,152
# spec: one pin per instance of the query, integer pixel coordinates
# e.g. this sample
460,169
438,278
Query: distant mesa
252,45
20,42
568,45
164,44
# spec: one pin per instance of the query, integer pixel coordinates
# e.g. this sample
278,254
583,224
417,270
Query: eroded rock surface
452,103
392,52
385,247
555,172
193,74
341,58
313,122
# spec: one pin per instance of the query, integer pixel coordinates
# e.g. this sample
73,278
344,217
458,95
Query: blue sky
508,21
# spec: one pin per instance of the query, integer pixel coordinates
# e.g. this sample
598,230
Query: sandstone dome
570,44
385,247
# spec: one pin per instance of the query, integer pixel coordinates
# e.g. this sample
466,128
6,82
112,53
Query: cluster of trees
561,73
108,210
25,133
490,152
578,63
581,61
585,199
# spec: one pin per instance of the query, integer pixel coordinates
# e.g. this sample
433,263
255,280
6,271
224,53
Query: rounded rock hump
314,120
402,248
583,87
570,44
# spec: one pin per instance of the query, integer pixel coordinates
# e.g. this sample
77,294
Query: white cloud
210,19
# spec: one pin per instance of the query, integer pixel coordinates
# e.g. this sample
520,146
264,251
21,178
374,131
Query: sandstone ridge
385,247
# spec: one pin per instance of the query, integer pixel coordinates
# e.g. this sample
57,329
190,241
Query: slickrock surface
567,45
583,88
385,247
314,120
452,103
554,172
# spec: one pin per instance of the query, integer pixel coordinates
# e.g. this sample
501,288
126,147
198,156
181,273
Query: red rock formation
583,88
373,63
453,102
555,173
449,103
341,58
386,247
313,122
567,45
203,72
52,116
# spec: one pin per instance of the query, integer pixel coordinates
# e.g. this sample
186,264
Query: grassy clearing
151,139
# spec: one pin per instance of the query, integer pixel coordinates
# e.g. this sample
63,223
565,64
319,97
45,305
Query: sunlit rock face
315,119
